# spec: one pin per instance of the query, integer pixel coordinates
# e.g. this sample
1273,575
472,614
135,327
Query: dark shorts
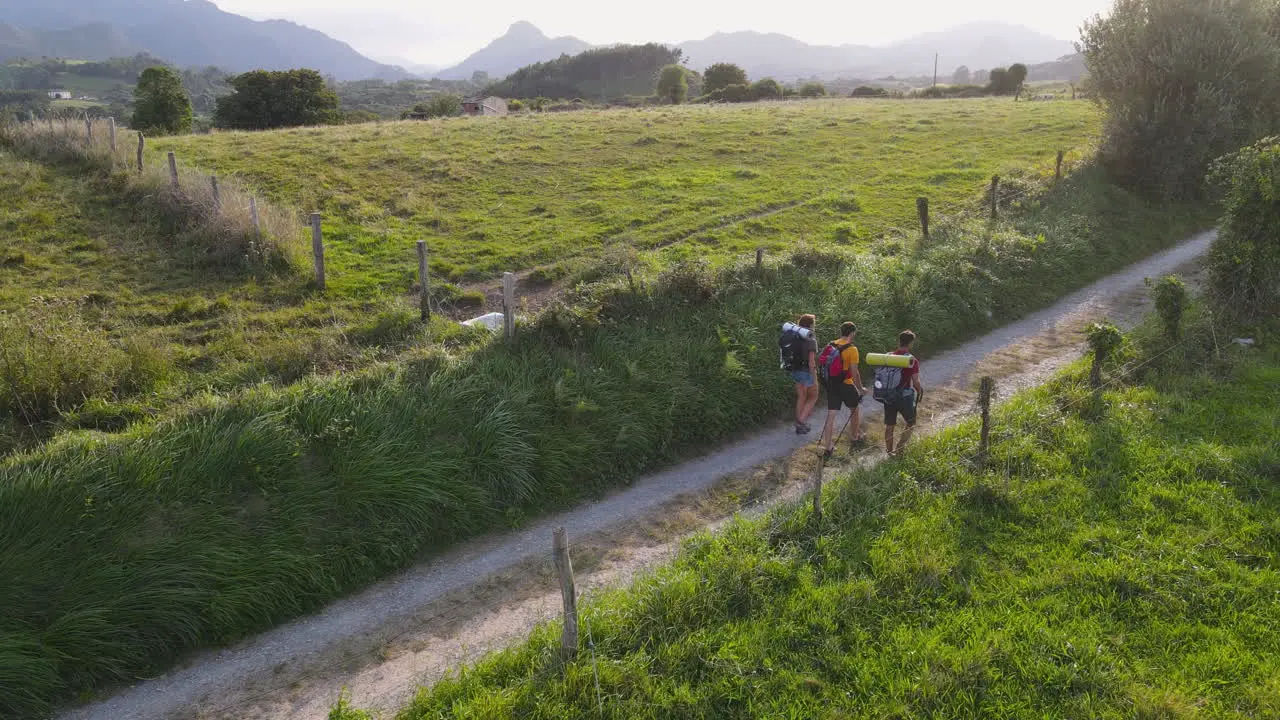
906,405
842,394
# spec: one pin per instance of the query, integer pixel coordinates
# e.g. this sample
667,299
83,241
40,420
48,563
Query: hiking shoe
827,455
802,429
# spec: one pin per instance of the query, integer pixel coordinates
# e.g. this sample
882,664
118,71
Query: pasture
495,195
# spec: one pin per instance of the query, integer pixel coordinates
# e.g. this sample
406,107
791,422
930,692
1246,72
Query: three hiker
838,365
798,350
901,391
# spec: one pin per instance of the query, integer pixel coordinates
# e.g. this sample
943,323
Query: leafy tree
1182,83
1017,77
813,89
23,104
673,84
480,77
161,104
262,100
962,76
1000,82
1244,262
440,106
722,75
766,89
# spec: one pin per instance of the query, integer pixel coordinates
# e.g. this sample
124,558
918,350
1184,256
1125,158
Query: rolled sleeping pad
887,360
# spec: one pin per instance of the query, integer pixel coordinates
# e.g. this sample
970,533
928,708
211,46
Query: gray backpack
888,385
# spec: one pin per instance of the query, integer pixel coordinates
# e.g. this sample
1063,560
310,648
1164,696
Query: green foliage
766,89
1051,585
721,76
1183,82
263,100
52,361
868,91
598,74
1007,81
673,84
1104,339
962,76
812,89
160,103
1244,263
282,481
20,105
1170,295
440,106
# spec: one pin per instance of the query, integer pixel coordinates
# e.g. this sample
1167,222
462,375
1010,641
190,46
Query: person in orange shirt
839,363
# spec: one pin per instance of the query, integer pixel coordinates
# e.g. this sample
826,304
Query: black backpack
888,384
791,348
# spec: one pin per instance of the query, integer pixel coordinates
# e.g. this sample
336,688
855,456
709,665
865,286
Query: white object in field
493,321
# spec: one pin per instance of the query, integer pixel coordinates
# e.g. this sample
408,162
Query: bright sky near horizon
446,32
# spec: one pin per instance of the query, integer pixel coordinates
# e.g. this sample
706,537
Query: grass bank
1113,562
121,552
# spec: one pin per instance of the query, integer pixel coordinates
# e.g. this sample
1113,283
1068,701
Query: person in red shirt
910,397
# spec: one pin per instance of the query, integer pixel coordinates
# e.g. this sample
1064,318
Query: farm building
59,94
484,106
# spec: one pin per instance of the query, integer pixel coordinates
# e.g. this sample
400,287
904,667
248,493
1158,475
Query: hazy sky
442,33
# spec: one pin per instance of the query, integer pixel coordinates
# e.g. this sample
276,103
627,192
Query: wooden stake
759,260
995,197
817,489
564,567
253,217
922,207
173,170
88,129
509,304
1057,176
111,133
217,196
317,250
142,143
985,391
425,301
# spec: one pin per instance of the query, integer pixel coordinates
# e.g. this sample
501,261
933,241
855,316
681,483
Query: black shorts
842,394
906,405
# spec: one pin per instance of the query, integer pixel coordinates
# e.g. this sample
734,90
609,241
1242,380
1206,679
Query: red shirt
910,373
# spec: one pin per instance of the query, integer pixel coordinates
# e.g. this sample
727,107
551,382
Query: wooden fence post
425,301
317,249
995,197
922,207
142,143
173,170
817,490
759,260
985,391
111,133
509,305
1057,175
217,196
253,217
88,129
564,567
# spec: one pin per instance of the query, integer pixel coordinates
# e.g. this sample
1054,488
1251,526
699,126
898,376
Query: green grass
566,192
1113,563
123,551
524,191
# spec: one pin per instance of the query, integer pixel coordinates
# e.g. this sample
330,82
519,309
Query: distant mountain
522,45
183,32
978,45
418,69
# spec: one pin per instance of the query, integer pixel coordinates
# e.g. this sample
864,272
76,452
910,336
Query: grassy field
510,194
552,189
124,550
1114,562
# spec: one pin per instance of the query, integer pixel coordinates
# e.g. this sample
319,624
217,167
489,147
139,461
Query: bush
813,89
1182,82
1244,262
766,89
53,362
721,76
515,106
441,106
161,104
868,91
1170,295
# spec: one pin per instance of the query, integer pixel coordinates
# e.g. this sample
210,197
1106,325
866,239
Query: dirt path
413,628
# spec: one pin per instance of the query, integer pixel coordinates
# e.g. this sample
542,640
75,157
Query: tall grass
215,229
122,552
1110,563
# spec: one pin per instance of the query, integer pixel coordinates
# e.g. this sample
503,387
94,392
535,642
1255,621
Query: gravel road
183,692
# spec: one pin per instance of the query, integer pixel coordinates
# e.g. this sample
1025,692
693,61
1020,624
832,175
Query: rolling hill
191,34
